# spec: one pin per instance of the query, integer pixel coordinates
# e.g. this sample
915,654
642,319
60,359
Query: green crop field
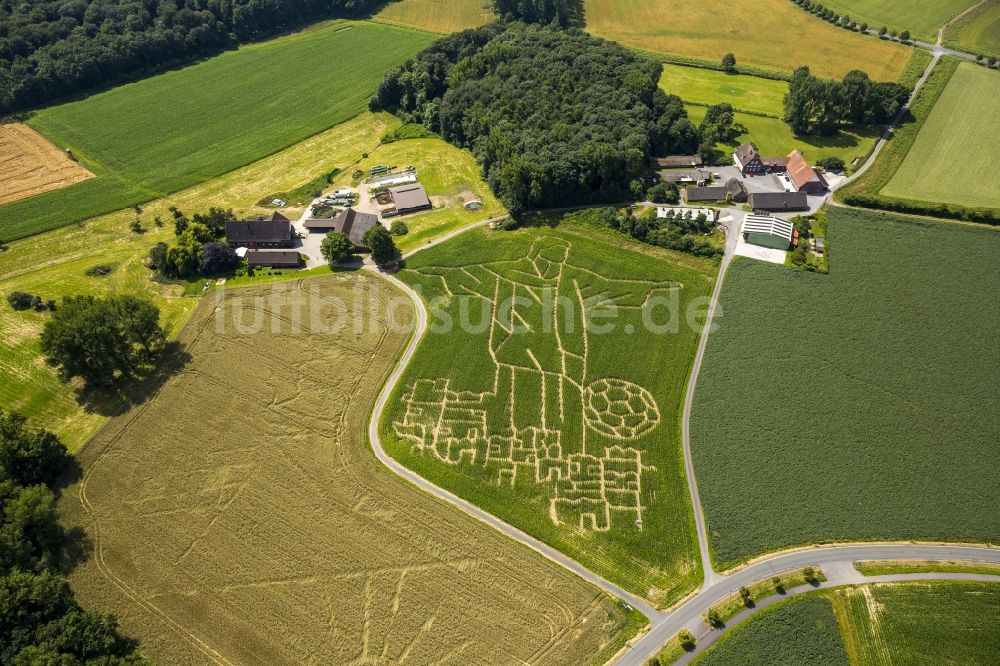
802,630
922,623
771,34
978,31
774,138
549,423
951,160
706,86
444,16
922,18
855,405
164,133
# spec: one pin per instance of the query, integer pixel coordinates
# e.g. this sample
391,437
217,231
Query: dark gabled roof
676,176
710,193
746,153
272,258
676,161
409,197
277,217
259,231
347,221
779,201
735,187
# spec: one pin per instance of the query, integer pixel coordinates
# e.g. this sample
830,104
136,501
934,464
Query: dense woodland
52,48
555,117
822,106
564,13
40,622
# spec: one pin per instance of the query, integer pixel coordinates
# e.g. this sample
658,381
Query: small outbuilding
676,161
273,258
697,177
710,193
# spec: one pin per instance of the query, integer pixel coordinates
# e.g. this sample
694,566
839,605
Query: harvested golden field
774,34
238,517
30,165
445,16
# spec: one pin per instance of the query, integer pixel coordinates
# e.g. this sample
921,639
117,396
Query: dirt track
238,517
30,165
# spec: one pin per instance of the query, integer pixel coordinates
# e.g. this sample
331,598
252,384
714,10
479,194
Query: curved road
837,562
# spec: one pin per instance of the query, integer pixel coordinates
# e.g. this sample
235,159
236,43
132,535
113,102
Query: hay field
951,160
857,405
707,87
31,165
239,516
922,18
53,264
773,34
443,16
146,139
550,425
921,623
978,31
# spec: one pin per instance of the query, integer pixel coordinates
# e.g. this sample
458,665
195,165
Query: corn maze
538,379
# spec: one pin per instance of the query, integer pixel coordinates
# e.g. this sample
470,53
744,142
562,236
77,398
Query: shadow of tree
122,396
77,549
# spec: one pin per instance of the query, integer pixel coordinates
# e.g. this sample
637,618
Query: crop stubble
240,510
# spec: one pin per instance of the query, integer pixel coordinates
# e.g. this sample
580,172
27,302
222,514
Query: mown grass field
773,138
446,172
771,34
444,16
222,535
855,405
54,264
922,18
922,623
707,87
558,432
978,31
802,630
950,160
146,139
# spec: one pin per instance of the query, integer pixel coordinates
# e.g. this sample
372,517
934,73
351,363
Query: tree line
823,106
555,117
52,48
40,621
563,13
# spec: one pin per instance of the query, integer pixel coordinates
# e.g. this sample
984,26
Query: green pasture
950,622
922,18
774,138
164,133
707,86
528,416
951,160
977,32
801,630
857,405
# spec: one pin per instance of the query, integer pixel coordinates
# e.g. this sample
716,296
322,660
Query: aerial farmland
506,332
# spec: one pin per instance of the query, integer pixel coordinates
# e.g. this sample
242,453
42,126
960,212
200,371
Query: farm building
778,201
347,221
803,176
409,198
734,186
676,161
697,177
768,231
710,193
393,179
275,231
273,258
748,160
